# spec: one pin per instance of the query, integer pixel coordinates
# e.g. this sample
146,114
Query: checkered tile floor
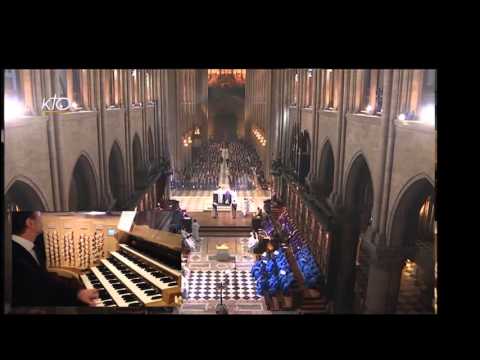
203,285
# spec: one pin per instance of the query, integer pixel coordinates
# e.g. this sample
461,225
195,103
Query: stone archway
83,187
326,170
355,219
412,228
116,172
21,196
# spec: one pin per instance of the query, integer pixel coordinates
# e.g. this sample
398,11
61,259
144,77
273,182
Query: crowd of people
243,163
244,166
204,172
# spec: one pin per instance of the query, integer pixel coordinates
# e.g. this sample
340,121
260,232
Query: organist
32,284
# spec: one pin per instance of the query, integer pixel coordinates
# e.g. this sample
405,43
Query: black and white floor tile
203,285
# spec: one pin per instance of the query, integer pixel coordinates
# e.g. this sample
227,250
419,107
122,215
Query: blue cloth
273,285
271,267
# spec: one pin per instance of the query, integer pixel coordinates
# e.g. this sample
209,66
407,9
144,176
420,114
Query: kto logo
54,104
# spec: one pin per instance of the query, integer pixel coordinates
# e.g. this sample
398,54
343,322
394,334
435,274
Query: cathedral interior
253,191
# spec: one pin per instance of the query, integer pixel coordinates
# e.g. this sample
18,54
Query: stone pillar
383,284
393,112
343,256
376,230
336,195
63,190
315,145
128,144
104,196
53,146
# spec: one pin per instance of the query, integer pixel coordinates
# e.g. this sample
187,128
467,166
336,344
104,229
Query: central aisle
203,272
223,178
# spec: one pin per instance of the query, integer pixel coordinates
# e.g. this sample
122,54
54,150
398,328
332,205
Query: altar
222,252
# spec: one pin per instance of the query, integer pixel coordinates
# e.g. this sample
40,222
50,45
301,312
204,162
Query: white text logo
55,104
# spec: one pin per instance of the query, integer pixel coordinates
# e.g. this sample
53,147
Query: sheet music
126,221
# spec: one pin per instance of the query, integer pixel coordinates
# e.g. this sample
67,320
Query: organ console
134,268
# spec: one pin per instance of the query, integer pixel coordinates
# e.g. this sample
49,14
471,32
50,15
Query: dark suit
33,285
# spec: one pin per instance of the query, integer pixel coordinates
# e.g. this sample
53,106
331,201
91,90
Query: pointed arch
358,203
358,194
24,194
83,194
403,220
116,174
326,168
411,228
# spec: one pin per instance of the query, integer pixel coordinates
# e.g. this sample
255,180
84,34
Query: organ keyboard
144,271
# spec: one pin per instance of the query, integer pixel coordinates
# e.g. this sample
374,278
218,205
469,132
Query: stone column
53,148
143,99
336,196
383,284
128,145
315,144
268,123
382,212
104,197
343,258
56,147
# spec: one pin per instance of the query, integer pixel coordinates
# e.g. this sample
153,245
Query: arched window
417,95
295,80
372,92
184,86
330,98
309,94
76,84
134,87
148,86
427,111
61,89
19,94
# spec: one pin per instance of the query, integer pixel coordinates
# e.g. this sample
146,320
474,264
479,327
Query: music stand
221,309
